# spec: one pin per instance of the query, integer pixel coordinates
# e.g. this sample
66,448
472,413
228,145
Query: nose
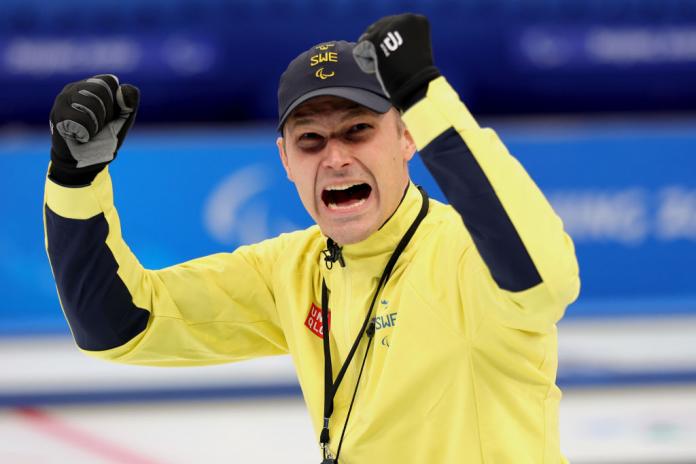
336,155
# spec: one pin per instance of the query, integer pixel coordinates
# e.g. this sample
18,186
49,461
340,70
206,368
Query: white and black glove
398,49
89,121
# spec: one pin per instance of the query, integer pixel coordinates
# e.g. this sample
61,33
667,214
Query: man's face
348,163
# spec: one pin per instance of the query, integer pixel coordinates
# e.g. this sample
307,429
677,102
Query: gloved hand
398,49
89,121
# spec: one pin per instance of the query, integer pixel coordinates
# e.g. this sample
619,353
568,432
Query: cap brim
370,100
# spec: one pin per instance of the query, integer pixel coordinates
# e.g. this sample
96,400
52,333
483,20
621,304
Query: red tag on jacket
314,321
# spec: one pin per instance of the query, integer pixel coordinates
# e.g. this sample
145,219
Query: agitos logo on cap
324,56
328,69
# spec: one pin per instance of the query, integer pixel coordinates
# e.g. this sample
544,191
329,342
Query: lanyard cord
368,328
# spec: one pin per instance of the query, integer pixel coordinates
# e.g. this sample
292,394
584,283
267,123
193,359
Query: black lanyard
368,328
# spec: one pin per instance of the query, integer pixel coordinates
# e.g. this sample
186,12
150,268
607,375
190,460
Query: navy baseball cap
328,69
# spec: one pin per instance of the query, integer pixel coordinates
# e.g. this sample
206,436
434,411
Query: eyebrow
356,110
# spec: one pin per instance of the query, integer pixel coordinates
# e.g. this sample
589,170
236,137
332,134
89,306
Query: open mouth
345,196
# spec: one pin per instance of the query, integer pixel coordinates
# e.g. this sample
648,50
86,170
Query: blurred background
597,99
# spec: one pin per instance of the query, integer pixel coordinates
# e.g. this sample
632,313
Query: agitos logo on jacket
314,321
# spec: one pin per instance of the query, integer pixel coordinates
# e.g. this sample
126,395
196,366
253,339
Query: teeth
341,186
334,206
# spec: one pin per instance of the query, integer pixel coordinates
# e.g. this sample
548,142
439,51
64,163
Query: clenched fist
89,121
397,48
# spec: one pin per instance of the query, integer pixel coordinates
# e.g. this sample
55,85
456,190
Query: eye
310,141
358,128
309,136
358,132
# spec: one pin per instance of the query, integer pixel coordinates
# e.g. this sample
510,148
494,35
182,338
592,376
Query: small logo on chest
314,321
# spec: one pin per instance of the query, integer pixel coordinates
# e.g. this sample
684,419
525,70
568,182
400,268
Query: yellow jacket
463,363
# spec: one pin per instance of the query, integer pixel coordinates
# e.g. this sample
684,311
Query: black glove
89,121
398,49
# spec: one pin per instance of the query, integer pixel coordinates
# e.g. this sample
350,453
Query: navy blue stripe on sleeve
96,302
469,191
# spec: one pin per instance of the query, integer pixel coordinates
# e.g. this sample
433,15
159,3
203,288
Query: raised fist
398,49
89,121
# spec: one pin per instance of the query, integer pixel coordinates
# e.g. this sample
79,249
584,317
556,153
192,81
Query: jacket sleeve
215,309
521,248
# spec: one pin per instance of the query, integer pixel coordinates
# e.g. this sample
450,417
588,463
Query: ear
408,145
280,143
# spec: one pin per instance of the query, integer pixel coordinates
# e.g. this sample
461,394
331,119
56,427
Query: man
421,333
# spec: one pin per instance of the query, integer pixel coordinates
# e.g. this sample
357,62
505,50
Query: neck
408,184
